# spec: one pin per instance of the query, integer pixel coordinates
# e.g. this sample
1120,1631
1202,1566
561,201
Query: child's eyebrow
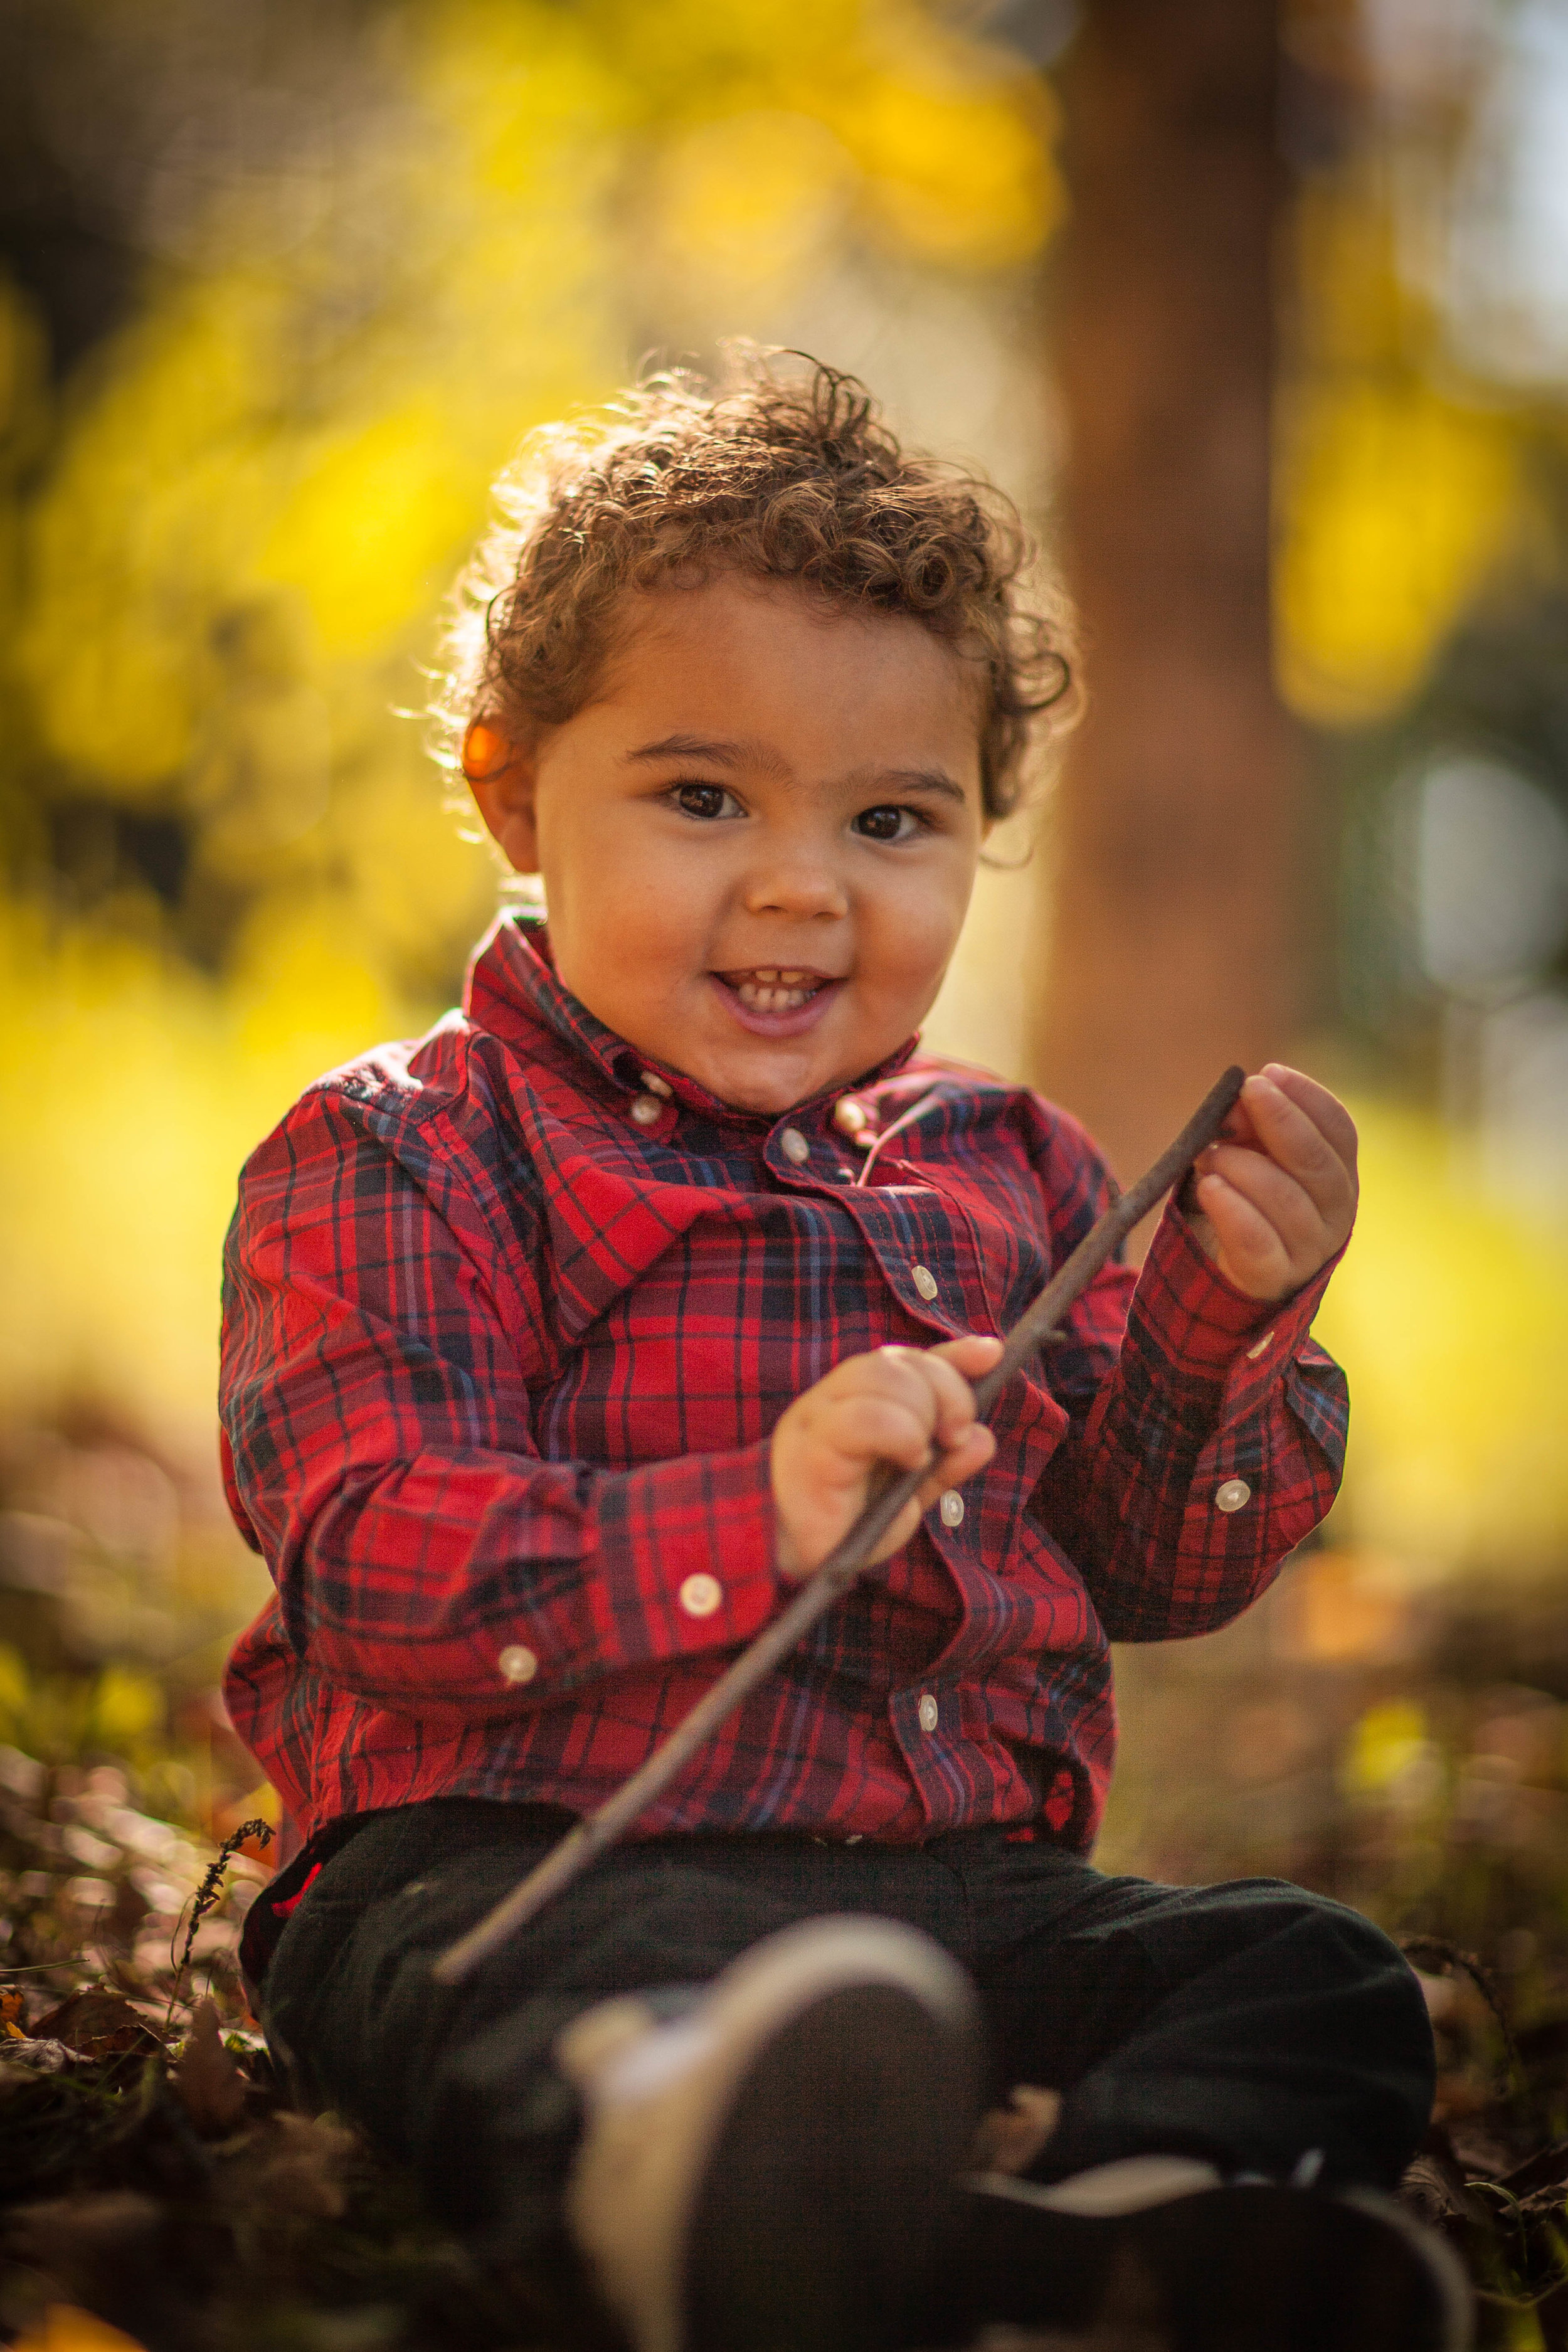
911,780
707,747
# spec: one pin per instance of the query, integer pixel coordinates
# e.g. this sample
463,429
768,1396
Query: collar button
794,1147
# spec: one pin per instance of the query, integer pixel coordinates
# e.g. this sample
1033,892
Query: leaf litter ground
153,2177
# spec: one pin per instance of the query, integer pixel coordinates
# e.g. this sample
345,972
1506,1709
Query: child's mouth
776,999
773,988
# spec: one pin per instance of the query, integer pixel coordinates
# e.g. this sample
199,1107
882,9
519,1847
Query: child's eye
886,824
707,800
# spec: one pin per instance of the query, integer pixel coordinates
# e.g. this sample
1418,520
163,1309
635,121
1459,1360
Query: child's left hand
1275,1198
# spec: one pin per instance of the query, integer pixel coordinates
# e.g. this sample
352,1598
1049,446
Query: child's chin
767,1084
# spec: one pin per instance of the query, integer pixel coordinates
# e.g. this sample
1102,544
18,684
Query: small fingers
1325,1110
872,1428
1290,1141
959,1463
911,1409
931,1380
1301,1225
1249,1247
946,1368
1294,1142
950,1469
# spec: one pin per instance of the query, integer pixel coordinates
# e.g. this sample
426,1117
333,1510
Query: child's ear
501,776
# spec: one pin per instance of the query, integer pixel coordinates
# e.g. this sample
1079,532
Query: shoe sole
1237,2268
828,2197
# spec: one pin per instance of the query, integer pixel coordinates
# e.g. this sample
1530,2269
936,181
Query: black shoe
1163,2244
775,2170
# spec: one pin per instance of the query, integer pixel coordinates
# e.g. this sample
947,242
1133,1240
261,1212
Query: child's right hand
908,1406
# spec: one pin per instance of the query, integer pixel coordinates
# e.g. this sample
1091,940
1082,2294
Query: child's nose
798,880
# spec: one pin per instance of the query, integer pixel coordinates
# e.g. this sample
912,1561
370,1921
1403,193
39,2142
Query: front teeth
776,992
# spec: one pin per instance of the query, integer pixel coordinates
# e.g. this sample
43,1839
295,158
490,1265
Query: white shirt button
850,1115
928,1711
645,1108
925,1281
952,1508
700,1595
517,1664
1232,1494
1254,1353
794,1146
656,1084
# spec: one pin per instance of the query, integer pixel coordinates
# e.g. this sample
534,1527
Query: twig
208,1892
839,1570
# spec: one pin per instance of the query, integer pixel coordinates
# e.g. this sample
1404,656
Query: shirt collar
512,990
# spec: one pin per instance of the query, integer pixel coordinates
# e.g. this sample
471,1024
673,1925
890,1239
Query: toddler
560,1346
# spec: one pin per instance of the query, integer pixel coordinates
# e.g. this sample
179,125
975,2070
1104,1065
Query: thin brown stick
839,1572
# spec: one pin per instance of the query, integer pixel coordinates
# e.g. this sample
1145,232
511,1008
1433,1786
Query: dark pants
1250,2023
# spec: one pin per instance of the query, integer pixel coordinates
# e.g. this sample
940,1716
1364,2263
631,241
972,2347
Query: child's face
759,842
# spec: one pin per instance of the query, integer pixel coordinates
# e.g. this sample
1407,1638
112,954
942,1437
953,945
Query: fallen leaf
65,2328
98,2023
207,2081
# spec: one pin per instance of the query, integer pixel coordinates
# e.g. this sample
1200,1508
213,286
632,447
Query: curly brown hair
772,476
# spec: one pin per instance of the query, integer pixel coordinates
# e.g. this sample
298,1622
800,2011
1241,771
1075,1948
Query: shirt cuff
687,1556
1198,1315
1197,1333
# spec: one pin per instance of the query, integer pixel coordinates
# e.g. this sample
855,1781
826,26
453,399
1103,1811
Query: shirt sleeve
1203,1442
380,1451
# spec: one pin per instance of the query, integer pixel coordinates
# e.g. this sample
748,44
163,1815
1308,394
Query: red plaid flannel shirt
500,1362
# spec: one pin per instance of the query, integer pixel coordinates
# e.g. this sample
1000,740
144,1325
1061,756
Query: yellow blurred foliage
754,195
369,529
144,1089
319,423
1448,1314
1388,1741
1397,502
955,177
162,486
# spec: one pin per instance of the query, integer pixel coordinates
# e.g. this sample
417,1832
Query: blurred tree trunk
1174,942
